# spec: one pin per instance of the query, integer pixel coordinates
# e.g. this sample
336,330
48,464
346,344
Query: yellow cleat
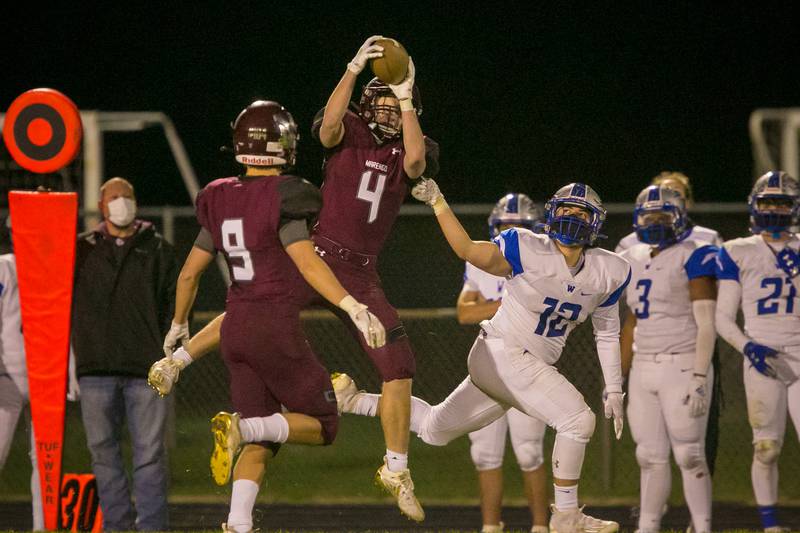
345,389
400,485
227,441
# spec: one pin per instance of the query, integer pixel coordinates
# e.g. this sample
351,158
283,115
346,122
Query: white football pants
660,421
488,444
501,377
768,401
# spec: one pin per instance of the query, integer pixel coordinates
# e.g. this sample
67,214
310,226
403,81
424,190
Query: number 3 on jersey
372,196
233,243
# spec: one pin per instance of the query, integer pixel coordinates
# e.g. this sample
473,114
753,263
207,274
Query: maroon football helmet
384,120
265,135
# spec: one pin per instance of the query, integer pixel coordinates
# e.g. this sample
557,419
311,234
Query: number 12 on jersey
555,328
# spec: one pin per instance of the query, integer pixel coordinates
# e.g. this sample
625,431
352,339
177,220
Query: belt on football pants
329,246
664,357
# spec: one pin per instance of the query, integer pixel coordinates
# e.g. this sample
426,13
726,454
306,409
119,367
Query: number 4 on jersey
372,196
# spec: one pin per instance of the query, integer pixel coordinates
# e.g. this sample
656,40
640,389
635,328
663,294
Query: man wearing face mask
125,275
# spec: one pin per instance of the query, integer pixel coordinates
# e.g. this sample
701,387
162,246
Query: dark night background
526,97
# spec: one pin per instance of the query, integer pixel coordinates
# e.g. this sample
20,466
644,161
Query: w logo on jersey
570,288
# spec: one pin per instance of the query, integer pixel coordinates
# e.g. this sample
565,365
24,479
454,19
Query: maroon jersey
363,188
245,217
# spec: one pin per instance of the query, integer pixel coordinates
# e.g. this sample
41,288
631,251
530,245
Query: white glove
177,332
405,89
367,51
427,191
612,405
367,323
697,396
73,388
164,373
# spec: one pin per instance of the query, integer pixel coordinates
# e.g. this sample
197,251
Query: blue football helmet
774,189
515,209
569,229
673,223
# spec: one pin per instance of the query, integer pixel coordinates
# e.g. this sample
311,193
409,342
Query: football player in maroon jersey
261,223
371,157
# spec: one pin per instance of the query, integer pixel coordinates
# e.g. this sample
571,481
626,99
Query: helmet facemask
774,204
572,223
659,226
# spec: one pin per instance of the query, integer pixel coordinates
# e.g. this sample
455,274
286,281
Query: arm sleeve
508,242
205,241
702,262
703,311
605,321
614,297
729,297
300,205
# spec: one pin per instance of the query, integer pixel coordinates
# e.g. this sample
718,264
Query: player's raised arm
482,254
413,140
332,129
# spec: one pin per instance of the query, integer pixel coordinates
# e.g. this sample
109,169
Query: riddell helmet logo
260,160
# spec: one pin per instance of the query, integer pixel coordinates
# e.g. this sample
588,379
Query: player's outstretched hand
427,191
163,374
405,89
367,323
367,51
696,396
613,407
758,354
177,333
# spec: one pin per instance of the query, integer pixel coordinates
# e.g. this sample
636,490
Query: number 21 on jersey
233,244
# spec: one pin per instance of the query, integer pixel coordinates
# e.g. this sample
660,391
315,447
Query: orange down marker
44,234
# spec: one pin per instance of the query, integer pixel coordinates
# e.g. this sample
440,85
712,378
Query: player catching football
671,304
555,281
761,274
260,221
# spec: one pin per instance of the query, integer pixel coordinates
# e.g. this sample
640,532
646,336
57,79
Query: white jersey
658,294
12,349
544,302
698,233
489,285
770,301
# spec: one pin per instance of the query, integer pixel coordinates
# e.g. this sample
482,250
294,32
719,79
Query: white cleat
574,521
493,528
226,529
777,529
539,529
346,392
400,485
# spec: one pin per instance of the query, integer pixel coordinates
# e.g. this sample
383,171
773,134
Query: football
392,67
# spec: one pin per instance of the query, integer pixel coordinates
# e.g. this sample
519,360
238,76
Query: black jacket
123,301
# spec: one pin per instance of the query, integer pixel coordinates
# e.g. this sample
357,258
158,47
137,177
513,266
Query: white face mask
121,211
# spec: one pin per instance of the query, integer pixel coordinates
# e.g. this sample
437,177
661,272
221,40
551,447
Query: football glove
696,396
757,354
176,333
613,407
427,191
367,51
404,89
367,323
164,373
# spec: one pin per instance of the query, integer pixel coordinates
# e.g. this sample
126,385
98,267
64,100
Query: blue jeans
105,401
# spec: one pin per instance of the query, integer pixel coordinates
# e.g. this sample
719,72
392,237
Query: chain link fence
420,275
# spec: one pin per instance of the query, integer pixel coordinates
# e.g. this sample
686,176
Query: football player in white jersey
681,183
555,281
479,299
671,304
761,274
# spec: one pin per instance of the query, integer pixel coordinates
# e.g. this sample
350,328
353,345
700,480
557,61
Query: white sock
655,485
243,498
566,497
765,482
366,404
697,492
396,461
419,412
183,356
273,428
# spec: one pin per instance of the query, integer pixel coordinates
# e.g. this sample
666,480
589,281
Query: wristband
439,205
406,104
